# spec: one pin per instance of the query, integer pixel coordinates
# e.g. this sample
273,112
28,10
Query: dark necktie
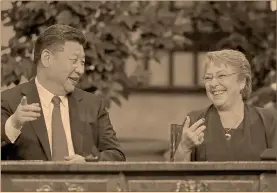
59,143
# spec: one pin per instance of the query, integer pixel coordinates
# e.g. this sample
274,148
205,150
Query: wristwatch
91,158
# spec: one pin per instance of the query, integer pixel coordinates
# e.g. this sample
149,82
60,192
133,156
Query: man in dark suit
48,118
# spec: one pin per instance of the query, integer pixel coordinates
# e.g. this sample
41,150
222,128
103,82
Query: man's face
67,67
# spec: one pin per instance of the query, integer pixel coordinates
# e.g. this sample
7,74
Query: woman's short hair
56,35
236,60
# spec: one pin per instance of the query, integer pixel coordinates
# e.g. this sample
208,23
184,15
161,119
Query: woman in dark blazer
229,129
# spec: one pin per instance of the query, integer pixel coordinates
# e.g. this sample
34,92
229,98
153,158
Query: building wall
150,115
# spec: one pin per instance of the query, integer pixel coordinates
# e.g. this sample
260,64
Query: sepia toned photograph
138,96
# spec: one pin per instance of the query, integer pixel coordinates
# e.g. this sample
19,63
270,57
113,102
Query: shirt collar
46,96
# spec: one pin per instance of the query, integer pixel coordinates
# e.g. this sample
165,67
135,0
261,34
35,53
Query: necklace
228,136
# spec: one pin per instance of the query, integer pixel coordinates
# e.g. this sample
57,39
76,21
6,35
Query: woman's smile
218,92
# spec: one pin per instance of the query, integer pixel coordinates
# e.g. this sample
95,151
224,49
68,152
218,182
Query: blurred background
145,57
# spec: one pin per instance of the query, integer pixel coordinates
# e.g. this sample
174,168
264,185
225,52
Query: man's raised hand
25,113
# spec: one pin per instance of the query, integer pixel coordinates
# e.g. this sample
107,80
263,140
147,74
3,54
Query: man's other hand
75,158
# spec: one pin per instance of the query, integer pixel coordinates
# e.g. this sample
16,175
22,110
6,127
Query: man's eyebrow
77,55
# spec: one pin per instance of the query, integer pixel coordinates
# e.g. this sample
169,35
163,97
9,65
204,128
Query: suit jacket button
3,143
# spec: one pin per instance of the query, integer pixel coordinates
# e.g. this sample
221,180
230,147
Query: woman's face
222,85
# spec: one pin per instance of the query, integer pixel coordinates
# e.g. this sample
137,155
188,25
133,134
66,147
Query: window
182,70
159,71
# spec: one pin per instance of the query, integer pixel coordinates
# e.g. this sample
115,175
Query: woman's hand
192,136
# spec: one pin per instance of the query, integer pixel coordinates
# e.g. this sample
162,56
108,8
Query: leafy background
117,30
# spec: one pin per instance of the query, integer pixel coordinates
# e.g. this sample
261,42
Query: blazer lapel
76,124
39,124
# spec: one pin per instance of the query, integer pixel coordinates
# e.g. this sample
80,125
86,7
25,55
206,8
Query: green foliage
118,29
252,30
114,29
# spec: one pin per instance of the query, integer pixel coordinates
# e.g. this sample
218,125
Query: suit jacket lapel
76,124
39,124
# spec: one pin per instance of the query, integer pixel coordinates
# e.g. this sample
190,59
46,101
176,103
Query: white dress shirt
47,107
